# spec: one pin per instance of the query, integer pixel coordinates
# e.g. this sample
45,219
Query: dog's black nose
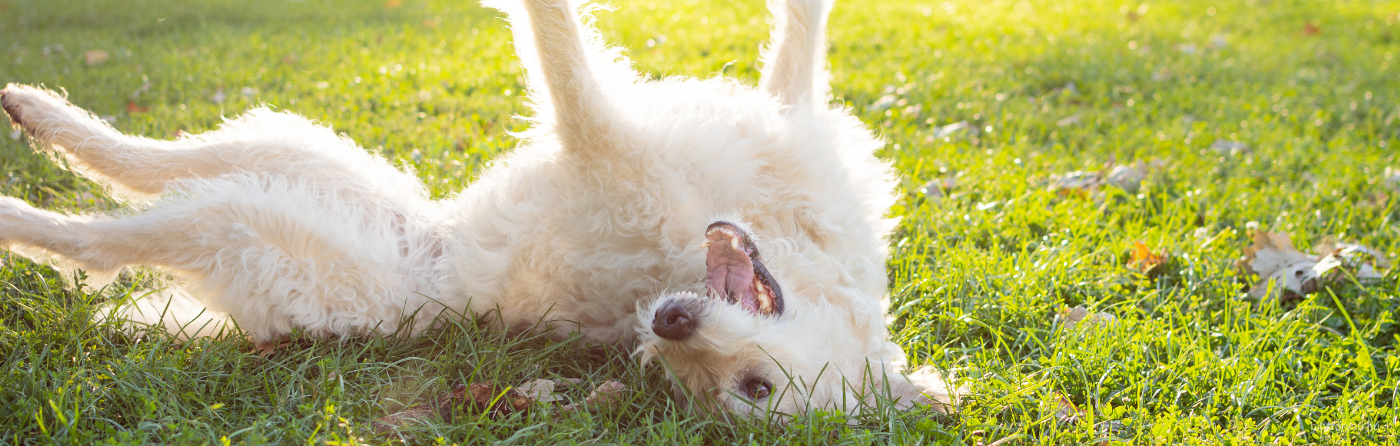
673,321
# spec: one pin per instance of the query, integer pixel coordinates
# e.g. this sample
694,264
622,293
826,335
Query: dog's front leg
794,62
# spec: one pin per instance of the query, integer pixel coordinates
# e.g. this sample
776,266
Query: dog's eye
758,388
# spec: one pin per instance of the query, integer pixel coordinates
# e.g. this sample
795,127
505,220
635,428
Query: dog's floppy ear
923,386
794,62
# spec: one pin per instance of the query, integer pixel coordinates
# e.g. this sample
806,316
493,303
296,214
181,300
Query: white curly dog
633,211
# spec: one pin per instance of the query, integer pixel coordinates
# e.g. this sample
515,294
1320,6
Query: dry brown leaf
1143,259
267,348
95,57
1227,147
1280,267
1080,316
1079,183
541,390
1066,413
1128,178
954,128
607,393
1295,274
939,187
486,397
1365,262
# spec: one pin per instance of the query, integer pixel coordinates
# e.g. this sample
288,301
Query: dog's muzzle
676,319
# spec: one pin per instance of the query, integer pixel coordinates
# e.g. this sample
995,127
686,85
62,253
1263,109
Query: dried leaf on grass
1079,183
1128,177
607,393
939,187
1067,412
1227,147
268,347
541,390
487,397
95,57
1144,259
1286,272
498,402
1082,317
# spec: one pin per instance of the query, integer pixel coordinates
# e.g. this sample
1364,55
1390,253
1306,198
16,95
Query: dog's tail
171,310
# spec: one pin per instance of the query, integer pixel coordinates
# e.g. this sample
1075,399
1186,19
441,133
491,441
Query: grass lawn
1309,89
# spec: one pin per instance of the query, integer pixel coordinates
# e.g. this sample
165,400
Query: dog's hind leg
272,255
794,62
261,142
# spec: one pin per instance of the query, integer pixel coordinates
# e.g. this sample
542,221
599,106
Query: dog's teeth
765,301
705,244
734,243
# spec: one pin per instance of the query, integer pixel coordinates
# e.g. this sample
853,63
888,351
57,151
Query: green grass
1311,86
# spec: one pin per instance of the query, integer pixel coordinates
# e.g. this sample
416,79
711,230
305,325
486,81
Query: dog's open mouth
733,272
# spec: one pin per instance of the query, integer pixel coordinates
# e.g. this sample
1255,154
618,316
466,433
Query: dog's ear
923,386
794,61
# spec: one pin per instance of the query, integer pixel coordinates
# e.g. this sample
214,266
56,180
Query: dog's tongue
729,270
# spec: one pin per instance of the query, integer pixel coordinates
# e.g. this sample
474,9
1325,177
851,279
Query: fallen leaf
131,107
1081,317
1365,262
1067,121
1078,183
1311,29
569,382
1143,259
1128,178
884,103
1227,147
1279,265
956,127
541,390
1066,413
607,393
488,398
391,4
939,187
266,348
95,57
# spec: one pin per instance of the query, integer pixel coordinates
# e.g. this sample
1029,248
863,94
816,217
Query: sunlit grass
1310,86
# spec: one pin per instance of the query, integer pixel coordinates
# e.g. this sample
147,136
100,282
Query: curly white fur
595,221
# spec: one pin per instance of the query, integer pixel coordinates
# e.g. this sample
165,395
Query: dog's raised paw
10,103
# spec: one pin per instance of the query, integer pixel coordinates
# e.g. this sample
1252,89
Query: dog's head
754,343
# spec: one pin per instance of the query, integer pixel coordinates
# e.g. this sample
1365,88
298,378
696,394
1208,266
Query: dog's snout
674,321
